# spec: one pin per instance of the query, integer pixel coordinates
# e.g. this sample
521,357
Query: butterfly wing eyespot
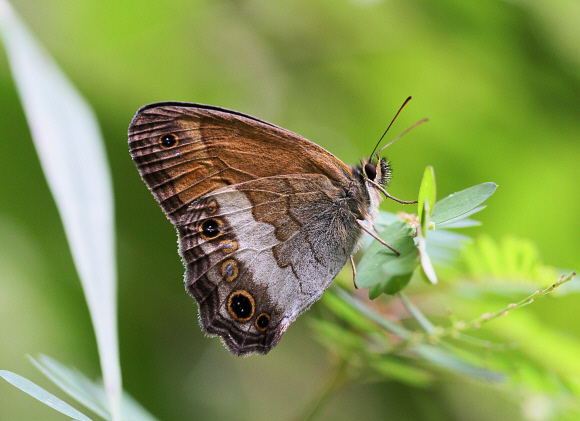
241,305
262,322
211,207
230,270
168,140
229,246
211,228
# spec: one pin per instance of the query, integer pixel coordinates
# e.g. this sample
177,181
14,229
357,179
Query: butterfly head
379,171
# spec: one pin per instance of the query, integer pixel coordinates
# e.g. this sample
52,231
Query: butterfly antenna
425,120
392,121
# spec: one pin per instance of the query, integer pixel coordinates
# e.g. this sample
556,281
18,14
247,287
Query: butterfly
265,218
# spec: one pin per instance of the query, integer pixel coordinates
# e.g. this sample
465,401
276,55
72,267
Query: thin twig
353,272
486,317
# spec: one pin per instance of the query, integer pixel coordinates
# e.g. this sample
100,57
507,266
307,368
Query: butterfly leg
353,272
376,237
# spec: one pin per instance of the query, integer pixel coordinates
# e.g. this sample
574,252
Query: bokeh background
499,80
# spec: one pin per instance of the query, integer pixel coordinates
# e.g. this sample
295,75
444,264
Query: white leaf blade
42,395
74,384
87,392
70,148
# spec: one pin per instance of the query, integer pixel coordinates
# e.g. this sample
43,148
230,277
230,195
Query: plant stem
416,313
486,317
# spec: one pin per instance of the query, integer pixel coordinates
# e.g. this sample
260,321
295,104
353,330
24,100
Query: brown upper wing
214,148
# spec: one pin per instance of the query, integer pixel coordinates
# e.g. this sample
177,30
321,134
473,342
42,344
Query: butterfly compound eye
371,171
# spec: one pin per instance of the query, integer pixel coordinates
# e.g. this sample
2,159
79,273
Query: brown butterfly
266,218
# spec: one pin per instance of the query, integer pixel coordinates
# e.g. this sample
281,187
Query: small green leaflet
380,266
427,197
462,202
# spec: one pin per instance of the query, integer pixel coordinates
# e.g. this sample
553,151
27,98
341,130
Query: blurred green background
499,80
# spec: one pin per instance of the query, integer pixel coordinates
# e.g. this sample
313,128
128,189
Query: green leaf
372,314
443,244
462,202
376,250
375,291
347,313
451,362
380,265
395,283
406,262
462,222
42,395
426,203
459,222
427,197
341,340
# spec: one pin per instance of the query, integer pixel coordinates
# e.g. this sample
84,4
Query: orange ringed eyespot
241,305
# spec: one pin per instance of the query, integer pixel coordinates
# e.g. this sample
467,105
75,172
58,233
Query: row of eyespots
212,227
241,307
241,304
